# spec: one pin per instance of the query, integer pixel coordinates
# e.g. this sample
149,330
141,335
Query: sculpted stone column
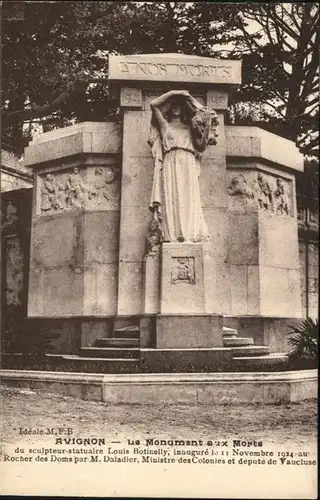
139,82
264,252
75,221
181,130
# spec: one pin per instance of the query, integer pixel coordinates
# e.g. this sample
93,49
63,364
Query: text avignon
82,441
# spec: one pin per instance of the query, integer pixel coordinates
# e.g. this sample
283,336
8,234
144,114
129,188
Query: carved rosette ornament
183,270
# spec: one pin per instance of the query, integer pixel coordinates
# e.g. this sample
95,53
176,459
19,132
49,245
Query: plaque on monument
174,68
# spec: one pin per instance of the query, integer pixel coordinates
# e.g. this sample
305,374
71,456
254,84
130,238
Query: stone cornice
83,138
256,143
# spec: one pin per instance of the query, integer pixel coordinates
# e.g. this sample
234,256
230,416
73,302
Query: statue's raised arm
181,130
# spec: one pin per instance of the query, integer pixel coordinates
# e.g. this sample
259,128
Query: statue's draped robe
176,185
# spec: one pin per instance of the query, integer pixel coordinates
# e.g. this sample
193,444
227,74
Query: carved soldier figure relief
76,190
68,190
48,192
181,129
240,189
53,194
101,183
281,198
265,193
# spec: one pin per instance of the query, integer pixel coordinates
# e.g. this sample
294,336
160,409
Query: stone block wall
14,175
263,230
75,222
136,187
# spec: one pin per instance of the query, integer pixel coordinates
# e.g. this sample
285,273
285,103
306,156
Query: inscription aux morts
217,72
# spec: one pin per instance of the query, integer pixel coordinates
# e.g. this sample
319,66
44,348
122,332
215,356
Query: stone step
229,332
125,322
271,362
237,341
132,331
74,363
254,350
110,352
117,342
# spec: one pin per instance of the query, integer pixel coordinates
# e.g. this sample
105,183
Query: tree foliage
304,340
54,61
280,52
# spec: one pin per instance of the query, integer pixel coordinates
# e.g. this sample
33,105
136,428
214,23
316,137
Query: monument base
186,360
182,280
151,276
272,332
188,331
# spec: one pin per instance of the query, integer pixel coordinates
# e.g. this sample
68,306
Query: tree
55,60
49,59
281,68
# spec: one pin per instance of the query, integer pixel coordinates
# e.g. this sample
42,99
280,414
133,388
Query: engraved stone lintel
131,97
174,68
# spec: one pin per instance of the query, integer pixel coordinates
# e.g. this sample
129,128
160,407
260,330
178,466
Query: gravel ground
292,424
283,429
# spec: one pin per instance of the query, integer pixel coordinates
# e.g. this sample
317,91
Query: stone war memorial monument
167,242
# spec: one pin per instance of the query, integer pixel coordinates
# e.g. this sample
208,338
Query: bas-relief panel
14,277
9,215
259,191
183,270
93,188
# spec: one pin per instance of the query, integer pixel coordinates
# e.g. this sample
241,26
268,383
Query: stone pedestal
135,80
91,216
263,230
182,280
75,221
188,331
151,283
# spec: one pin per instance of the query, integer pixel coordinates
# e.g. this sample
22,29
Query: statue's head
49,177
178,109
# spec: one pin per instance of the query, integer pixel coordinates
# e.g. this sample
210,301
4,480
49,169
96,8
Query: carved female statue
181,130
